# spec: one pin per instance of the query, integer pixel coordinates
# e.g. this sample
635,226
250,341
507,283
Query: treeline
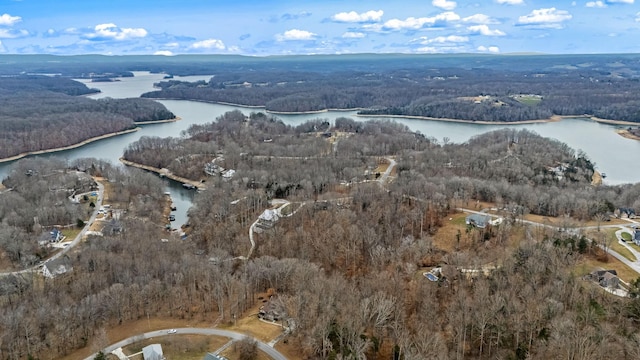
458,93
37,114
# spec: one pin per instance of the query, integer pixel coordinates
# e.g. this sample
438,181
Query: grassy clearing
70,233
528,100
625,236
589,264
620,249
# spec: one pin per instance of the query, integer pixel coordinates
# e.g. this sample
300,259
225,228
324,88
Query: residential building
152,352
211,356
606,278
478,220
59,266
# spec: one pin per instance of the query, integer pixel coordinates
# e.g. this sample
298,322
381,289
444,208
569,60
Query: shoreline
626,134
177,118
553,118
69,147
164,172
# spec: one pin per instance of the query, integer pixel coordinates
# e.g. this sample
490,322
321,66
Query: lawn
620,249
70,234
625,236
589,264
181,347
528,100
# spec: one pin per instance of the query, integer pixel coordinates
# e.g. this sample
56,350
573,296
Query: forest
344,265
466,92
41,113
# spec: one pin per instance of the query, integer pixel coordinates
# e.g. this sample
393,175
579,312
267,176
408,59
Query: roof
478,220
152,352
211,356
57,266
269,215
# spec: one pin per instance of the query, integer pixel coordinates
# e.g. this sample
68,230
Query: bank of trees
40,113
479,94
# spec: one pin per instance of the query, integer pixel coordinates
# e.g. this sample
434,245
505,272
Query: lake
611,153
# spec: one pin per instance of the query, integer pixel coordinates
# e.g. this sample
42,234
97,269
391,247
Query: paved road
634,265
74,242
273,353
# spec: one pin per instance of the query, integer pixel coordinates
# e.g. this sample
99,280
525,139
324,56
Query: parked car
172,331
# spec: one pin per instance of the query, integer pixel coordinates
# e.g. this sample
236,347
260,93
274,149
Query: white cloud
353,35
510,2
12,34
444,4
208,44
638,17
296,34
172,45
354,17
484,30
2,48
446,39
413,23
596,4
491,49
546,18
620,1
8,20
163,53
112,32
480,19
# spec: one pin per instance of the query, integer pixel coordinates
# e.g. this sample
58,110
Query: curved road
75,241
273,353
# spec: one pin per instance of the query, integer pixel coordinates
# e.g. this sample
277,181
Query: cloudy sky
270,27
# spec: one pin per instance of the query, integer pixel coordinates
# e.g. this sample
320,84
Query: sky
269,27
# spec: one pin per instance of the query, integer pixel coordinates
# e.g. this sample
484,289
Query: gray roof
211,356
152,352
478,220
58,266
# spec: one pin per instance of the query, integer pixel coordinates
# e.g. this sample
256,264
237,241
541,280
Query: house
56,267
478,220
267,219
50,237
625,213
228,174
272,310
606,278
211,356
636,235
152,352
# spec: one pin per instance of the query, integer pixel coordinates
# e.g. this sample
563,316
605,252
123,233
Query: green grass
620,249
70,233
625,236
528,100
634,246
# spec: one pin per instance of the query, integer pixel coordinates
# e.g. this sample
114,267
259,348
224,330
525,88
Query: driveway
75,241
